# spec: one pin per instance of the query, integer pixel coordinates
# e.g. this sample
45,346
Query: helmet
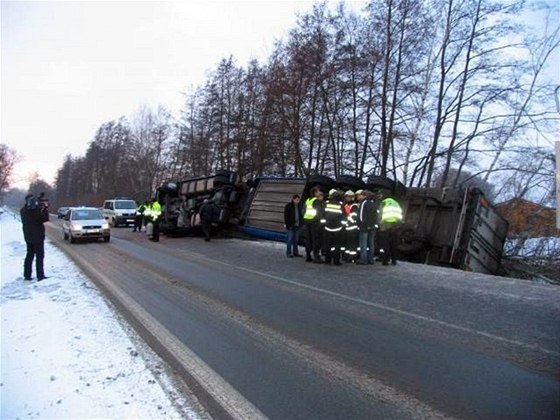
349,193
332,192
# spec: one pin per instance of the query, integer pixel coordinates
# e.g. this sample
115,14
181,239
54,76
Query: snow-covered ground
65,353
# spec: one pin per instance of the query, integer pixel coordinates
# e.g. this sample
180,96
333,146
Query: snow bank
65,353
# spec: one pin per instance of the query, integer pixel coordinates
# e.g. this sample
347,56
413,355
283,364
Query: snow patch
65,353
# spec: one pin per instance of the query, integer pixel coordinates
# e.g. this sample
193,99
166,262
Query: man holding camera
34,213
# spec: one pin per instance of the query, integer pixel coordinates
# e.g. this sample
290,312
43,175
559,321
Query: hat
360,192
332,192
350,193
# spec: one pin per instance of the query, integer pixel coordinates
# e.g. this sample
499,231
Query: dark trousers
332,245
351,243
137,223
313,239
155,231
206,229
35,250
389,240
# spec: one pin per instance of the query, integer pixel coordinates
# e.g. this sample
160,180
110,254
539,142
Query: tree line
427,92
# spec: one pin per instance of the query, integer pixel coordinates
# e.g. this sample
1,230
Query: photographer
34,213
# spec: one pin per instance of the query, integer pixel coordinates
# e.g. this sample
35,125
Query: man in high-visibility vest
351,229
138,217
312,217
335,221
153,213
391,216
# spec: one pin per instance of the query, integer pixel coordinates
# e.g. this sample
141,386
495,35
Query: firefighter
333,227
312,217
152,214
138,218
351,228
391,216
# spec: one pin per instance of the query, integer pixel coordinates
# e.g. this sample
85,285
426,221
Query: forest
427,92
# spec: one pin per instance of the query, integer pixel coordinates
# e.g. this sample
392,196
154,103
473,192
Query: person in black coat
33,214
293,217
367,225
206,214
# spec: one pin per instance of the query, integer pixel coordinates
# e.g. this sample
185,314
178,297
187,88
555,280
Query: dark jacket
32,221
367,215
290,215
206,213
334,215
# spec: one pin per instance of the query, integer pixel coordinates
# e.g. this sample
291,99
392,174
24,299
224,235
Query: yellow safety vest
310,211
392,212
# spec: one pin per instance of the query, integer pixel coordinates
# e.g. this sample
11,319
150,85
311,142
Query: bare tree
8,159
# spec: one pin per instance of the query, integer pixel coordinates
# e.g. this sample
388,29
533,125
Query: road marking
237,406
389,309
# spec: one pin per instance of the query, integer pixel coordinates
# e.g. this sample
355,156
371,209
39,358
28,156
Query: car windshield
127,204
87,214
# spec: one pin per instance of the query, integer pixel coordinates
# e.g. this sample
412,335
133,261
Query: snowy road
260,335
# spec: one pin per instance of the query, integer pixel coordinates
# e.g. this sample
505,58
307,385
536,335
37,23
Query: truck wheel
65,235
322,180
222,180
71,238
107,238
350,182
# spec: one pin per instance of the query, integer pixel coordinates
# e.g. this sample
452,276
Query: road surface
257,335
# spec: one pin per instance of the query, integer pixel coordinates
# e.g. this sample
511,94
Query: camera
41,202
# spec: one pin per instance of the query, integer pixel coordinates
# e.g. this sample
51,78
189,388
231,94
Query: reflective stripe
338,229
333,208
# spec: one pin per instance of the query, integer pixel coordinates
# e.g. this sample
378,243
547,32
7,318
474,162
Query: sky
91,365
68,67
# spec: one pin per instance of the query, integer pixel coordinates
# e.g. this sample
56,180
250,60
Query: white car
119,211
85,223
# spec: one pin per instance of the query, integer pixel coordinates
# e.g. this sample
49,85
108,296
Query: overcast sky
68,67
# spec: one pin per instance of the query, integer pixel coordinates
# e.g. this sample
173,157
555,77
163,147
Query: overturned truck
455,227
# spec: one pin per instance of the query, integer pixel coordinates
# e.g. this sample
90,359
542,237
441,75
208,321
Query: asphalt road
261,335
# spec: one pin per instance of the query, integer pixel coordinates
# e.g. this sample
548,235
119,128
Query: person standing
367,224
292,222
138,217
333,225
351,228
206,213
34,214
313,216
153,213
391,216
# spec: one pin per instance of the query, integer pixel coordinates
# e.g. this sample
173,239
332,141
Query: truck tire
376,181
169,187
222,180
350,182
321,180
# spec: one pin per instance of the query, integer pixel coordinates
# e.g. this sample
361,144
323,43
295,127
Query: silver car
85,223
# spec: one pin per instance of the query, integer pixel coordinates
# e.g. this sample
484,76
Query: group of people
343,227
148,213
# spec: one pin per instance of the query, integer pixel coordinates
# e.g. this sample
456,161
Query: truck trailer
454,227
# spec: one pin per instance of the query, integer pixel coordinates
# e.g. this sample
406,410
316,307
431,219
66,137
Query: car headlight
105,225
77,227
